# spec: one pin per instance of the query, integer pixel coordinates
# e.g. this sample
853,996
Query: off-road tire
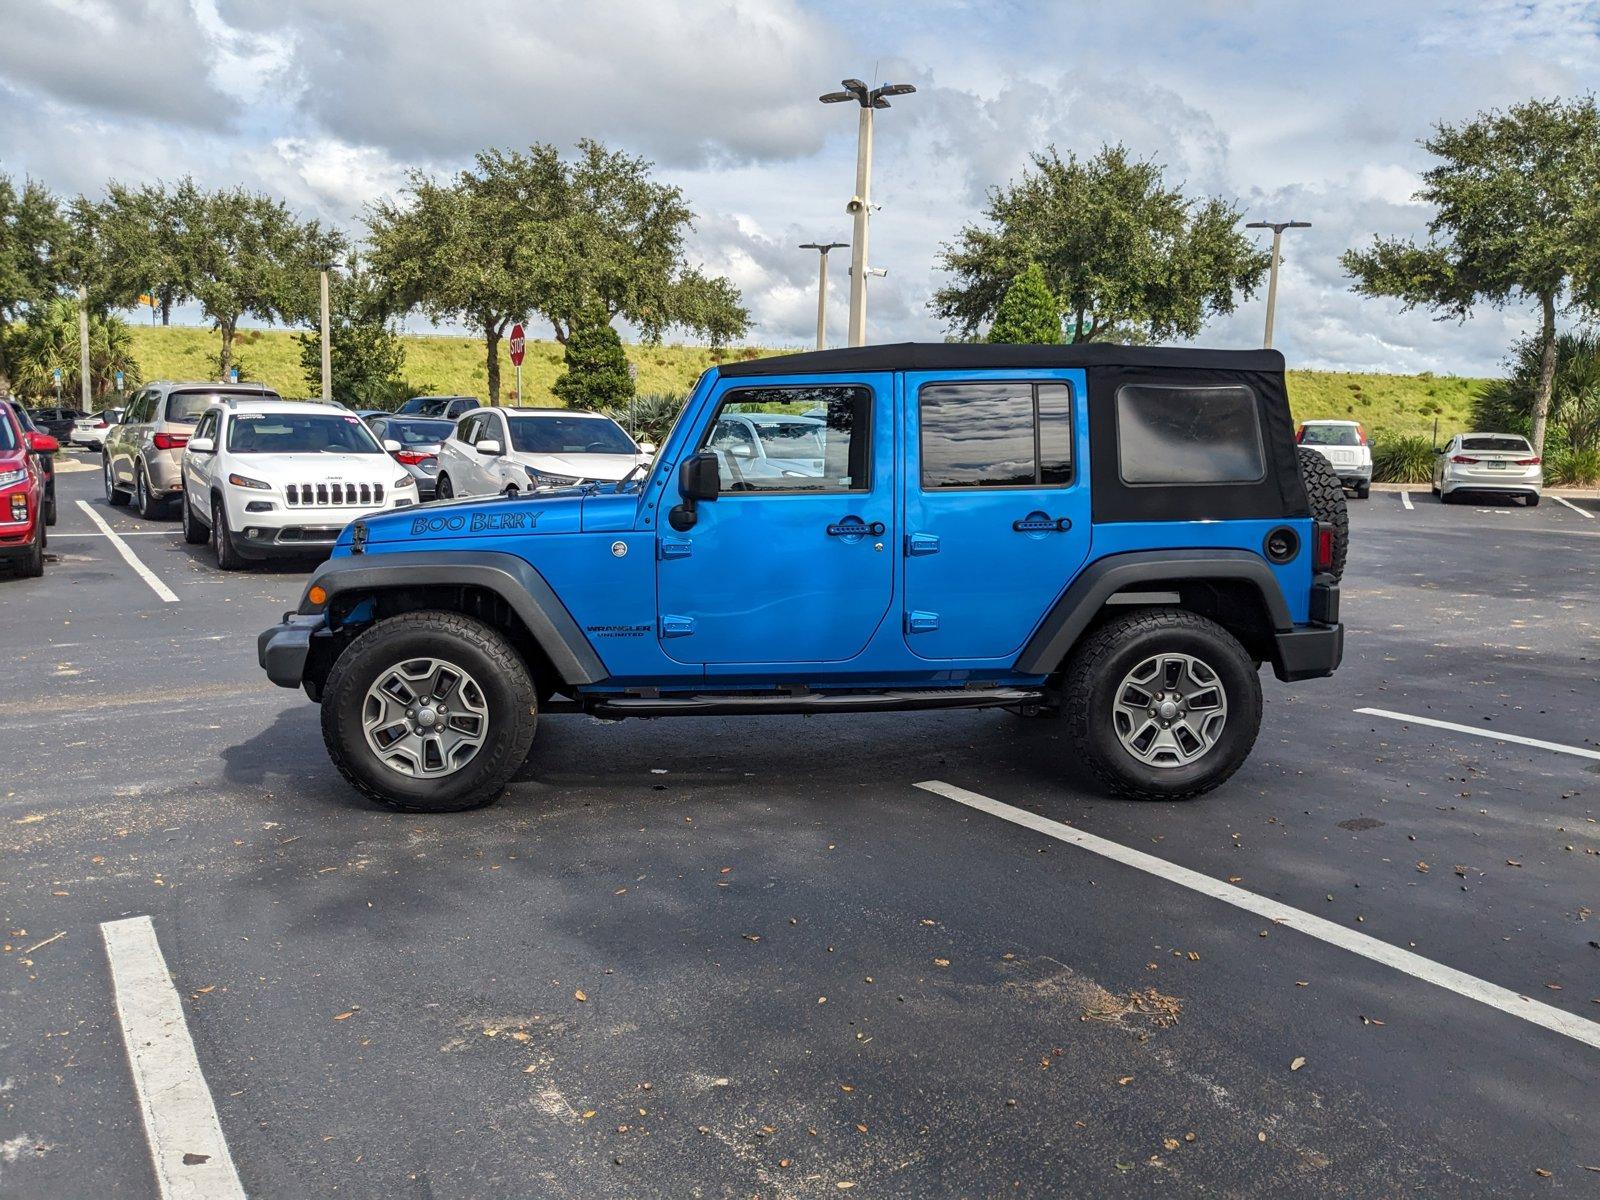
508,689
1326,495
1095,670
115,496
228,556
442,490
194,533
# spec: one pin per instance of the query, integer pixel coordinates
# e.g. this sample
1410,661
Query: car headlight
245,481
7,478
545,479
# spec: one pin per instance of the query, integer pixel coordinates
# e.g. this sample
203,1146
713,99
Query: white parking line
119,533
1582,512
1405,498
128,556
1459,982
1491,734
190,1155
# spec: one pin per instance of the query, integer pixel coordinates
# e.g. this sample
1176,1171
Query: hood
444,524
603,467
278,469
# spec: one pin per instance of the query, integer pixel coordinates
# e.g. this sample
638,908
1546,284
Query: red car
22,484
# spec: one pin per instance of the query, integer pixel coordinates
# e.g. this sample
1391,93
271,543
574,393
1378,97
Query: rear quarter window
1171,434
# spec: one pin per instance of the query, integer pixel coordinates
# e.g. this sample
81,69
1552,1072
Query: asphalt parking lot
734,957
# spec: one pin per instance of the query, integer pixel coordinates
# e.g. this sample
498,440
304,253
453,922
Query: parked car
419,439
448,407
90,431
764,445
1490,464
22,493
263,477
1117,536
510,451
1344,445
47,459
142,457
56,421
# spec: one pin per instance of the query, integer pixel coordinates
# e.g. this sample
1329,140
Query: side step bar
736,704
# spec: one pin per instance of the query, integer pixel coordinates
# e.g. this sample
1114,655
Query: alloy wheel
1170,710
425,718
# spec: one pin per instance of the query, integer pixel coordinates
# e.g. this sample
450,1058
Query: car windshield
569,435
1330,435
184,408
417,433
1495,442
23,417
299,433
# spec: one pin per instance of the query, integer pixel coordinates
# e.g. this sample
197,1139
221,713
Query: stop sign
517,345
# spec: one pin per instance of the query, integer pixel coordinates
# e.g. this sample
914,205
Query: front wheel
429,712
228,556
1161,704
194,533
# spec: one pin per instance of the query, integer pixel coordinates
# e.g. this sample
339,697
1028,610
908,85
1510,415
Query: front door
794,561
997,507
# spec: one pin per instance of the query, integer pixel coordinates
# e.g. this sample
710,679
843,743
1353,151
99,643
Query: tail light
1464,459
411,458
170,441
101,424
1529,462
1300,435
1361,435
1322,558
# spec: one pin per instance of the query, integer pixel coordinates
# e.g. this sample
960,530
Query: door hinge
918,621
666,549
673,626
918,544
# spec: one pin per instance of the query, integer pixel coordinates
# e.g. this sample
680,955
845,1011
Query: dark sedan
419,439
57,422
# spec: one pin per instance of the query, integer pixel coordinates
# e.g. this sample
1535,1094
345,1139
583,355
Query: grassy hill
1386,404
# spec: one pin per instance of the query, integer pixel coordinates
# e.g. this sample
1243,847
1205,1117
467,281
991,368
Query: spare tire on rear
1326,495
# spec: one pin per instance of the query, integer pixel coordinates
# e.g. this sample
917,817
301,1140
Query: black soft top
978,356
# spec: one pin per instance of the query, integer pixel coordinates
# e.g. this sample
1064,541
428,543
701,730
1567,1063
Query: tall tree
32,232
1028,313
244,254
1517,219
141,229
49,343
1125,255
530,234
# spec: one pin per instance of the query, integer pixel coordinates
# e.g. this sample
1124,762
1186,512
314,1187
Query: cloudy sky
1293,108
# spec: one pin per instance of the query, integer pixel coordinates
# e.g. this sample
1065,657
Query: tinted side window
1188,435
794,439
467,430
996,435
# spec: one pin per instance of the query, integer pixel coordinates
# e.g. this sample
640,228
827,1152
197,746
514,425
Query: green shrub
1402,460
1573,468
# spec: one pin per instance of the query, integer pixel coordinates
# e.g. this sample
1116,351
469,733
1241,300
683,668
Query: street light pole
327,345
85,390
860,205
1277,228
822,249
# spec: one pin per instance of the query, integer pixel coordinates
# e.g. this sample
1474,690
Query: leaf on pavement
1297,1063
580,995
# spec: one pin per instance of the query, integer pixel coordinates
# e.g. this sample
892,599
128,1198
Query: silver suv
143,453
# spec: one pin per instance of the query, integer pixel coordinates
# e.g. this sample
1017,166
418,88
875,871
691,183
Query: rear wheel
194,533
1326,496
429,712
1533,501
115,496
1161,704
442,489
147,505
1363,490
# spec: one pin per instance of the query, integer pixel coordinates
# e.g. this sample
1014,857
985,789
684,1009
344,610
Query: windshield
417,433
299,433
1330,435
1496,442
569,435
185,408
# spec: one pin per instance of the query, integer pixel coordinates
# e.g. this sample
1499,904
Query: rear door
996,507
790,565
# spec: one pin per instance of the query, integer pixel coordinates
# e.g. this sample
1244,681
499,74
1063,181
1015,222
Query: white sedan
500,451
91,430
1496,464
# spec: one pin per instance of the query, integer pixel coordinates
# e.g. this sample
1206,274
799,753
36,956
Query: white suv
1344,445
270,477
507,451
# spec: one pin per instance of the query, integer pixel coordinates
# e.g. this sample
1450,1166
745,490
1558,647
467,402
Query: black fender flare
1135,571
511,578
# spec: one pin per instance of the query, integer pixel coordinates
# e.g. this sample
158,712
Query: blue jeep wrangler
1115,536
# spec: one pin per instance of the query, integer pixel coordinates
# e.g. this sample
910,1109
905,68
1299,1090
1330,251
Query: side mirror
203,445
647,447
43,443
698,479
392,446
490,446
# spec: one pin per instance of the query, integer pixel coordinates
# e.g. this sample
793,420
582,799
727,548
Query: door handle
1039,523
856,529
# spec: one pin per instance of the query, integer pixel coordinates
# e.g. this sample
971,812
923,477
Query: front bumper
283,649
